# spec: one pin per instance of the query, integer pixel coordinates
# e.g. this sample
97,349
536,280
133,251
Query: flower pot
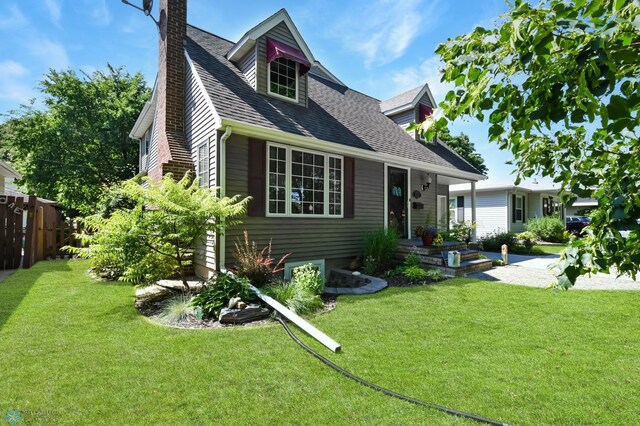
427,240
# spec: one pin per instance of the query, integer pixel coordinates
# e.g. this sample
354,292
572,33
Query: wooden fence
32,231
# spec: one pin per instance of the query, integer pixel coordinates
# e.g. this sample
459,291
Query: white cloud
12,18
54,7
53,54
385,29
11,87
12,69
427,72
100,12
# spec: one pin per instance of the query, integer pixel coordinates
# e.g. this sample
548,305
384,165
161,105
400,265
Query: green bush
461,231
157,237
528,239
549,228
494,242
295,296
254,264
415,274
412,259
309,276
217,293
177,309
435,274
379,249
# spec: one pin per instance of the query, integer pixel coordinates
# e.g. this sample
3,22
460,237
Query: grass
75,351
547,249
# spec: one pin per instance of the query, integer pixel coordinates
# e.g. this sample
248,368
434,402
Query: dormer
412,105
275,59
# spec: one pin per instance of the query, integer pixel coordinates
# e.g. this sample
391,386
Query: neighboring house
7,175
581,207
323,163
503,206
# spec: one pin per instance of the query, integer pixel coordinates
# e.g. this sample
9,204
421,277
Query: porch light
427,184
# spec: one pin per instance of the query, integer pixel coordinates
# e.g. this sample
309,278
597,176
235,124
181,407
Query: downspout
222,184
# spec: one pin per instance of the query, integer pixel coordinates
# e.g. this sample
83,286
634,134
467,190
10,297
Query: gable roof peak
248,40
406,100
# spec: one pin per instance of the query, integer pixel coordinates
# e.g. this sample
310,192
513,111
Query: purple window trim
423,111
276,50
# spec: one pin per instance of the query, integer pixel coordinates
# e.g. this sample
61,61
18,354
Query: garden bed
149,303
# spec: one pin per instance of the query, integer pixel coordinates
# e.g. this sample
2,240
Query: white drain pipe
297,320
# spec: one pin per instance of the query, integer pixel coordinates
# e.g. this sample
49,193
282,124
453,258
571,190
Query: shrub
494,242
549,228
528,240
217,293
412,259
379,249
462,231
256,264
434,274
497,262
299,298
309,276
415,274
176,310
156,237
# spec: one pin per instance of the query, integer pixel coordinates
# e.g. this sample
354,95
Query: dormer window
283,78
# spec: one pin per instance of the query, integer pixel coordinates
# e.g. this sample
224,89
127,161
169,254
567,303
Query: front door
397,180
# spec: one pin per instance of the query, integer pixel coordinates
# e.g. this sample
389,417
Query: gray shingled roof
335,113
401,99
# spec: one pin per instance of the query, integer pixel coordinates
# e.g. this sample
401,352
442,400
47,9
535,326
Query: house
323,163
7,175
503,206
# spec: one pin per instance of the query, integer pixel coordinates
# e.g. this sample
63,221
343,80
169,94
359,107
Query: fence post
30,237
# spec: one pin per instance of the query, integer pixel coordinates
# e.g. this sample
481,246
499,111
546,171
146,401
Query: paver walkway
533,271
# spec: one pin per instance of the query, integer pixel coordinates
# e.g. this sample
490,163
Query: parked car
575,224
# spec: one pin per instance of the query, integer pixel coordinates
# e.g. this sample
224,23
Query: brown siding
312,238
280,33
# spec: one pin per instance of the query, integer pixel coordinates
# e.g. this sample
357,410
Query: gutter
222,184
334,148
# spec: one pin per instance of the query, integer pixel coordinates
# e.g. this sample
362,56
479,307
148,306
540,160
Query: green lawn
75,351
546,249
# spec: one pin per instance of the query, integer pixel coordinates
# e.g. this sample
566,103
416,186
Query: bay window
303,183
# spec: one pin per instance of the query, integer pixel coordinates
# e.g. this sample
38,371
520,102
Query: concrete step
467,267
415,246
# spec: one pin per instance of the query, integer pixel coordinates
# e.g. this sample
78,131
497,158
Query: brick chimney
172,149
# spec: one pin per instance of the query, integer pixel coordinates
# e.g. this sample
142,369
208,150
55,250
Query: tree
78,144
156,237
464,148
559,84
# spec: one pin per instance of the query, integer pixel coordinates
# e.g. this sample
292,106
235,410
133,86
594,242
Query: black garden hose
387,391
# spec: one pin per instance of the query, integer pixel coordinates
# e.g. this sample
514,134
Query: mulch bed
151,306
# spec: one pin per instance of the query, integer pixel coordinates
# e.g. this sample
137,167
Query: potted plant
438,240
419,231
428,234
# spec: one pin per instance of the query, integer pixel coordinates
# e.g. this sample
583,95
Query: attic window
283,78
423,112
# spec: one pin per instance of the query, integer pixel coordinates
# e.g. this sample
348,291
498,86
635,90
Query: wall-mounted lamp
427,184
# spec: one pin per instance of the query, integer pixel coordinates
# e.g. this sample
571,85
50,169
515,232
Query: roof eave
145,119
252,130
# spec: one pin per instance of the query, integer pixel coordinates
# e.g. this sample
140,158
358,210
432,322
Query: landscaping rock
241,316
241,305
233,302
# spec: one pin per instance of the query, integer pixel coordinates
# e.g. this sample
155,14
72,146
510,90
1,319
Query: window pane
283,78
335,186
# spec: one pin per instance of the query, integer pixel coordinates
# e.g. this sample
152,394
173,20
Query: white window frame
145,145
203,182
277,95
521,199
290,266
287,183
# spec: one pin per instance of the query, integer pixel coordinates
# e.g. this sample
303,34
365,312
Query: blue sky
379,47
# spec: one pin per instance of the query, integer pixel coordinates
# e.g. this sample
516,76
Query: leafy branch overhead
558,83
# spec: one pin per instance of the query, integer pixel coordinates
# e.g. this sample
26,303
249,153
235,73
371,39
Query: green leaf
617,107
619,214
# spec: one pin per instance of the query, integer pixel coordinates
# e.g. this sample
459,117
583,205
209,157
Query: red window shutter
257,177
349,187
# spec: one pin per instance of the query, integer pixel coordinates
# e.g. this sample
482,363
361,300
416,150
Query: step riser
429,250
